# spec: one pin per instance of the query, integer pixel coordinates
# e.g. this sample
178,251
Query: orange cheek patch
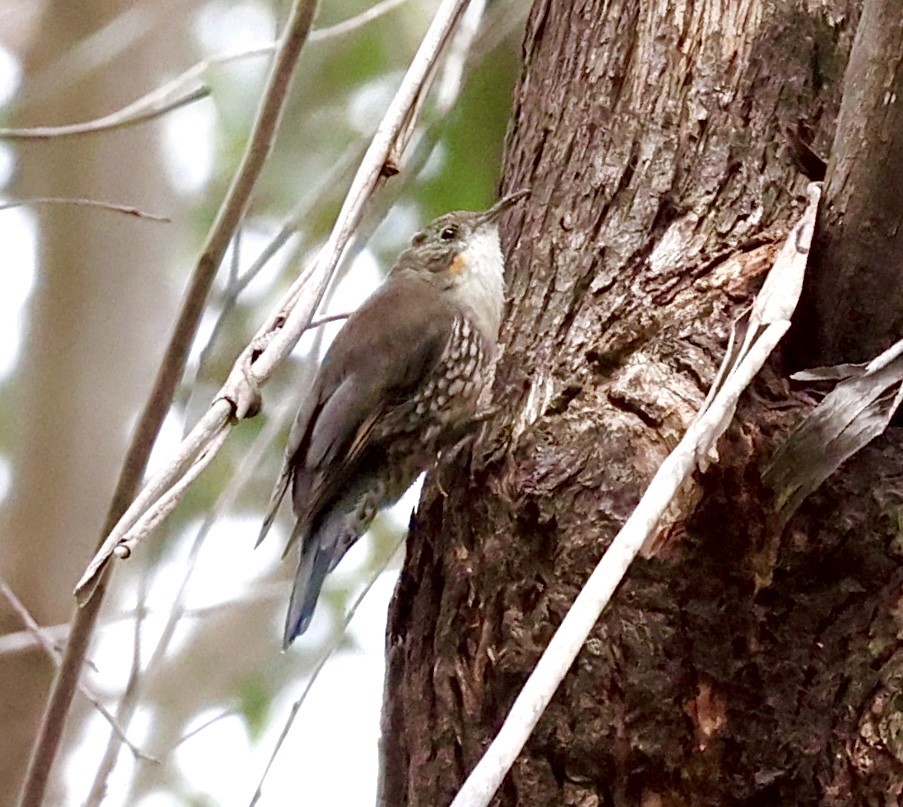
458,264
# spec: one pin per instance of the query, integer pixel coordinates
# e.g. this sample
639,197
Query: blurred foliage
255,699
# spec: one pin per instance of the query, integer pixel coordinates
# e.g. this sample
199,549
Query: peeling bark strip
739,664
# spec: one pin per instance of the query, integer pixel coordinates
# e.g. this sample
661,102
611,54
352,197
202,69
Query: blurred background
187,653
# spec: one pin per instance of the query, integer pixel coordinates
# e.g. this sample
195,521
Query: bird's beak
504,204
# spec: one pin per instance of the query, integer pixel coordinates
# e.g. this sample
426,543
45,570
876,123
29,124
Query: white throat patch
481,286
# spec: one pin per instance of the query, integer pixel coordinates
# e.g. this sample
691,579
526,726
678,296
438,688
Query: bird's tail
312,569
321,550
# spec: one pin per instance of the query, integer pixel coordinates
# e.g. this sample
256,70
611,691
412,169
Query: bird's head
455,247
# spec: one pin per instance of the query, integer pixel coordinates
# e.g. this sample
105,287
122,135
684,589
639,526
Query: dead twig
146,108
79,202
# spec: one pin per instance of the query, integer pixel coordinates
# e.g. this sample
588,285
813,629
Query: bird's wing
377,360
295,439
381,354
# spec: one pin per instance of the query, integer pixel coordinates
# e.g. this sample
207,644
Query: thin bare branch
767,322
171,370
186,88
299,213
98,790
24,640
375,11
205,725
239,397
319,321
50,648
79,202
147,108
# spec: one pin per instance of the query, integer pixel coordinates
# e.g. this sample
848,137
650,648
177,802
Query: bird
400,382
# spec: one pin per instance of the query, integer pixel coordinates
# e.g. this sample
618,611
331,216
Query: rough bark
740,663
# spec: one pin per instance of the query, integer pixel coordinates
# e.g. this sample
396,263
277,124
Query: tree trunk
740,662
851,311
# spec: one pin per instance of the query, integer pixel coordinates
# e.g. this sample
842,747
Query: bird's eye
450,233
